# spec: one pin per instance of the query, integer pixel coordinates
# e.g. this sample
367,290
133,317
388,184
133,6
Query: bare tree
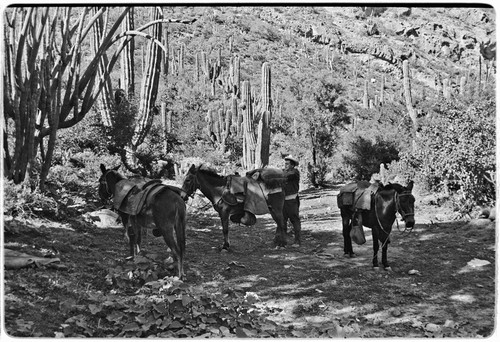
47,85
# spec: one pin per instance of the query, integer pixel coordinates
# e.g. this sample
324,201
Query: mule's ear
410,185
117,167
103,168
192,168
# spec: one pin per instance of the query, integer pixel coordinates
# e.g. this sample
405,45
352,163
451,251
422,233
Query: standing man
292,203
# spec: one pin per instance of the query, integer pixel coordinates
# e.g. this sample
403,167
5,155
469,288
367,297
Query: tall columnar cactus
407,92
446,88
197,67
211,70
382,87
173,63
166,57
462,85
166,121
127,74
107,91
256,141
235,118
264,133
149,84
249,142
219,127
365,95
182,54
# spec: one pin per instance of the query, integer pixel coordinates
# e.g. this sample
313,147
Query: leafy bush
23,202
456,152
87,134
364,157
167,307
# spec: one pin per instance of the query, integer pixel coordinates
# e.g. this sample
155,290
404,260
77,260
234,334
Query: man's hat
292,159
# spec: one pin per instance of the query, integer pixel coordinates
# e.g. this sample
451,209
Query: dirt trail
431,292
442,282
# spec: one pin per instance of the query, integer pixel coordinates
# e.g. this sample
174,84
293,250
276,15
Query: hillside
440,43
68,271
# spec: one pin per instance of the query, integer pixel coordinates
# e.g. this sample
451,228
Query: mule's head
190,184
406,205
107,182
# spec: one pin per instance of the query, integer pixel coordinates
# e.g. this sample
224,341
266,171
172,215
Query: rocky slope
439,42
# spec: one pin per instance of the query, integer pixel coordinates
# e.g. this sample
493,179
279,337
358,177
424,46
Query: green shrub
23,202
455,151
365,156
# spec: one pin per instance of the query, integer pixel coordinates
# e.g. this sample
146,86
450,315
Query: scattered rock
474,263
432,327
480,223
396,312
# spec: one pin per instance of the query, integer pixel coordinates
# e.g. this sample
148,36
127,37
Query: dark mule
212,185
167,210
385,203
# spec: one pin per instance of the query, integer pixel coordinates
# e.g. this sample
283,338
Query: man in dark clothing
291,189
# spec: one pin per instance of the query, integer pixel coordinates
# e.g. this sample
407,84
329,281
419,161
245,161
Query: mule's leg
224,219
139,224
275,203
166,220
166,227
279,235
346,233
132,232
125,222
385,245
375,237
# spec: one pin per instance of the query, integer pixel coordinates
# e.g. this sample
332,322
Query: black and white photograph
249,170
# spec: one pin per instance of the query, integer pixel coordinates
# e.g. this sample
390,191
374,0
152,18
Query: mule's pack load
357,196
134,194
250,192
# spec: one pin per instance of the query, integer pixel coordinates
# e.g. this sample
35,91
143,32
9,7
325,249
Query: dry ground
442,282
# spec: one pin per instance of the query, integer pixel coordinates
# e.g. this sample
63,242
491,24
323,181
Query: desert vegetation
344,89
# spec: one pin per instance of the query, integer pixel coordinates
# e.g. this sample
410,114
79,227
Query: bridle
399,210
192,190
104,182
398,204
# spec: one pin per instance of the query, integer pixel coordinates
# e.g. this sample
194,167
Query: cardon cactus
382,86
219,127
249,142
264,134
256,141
407,92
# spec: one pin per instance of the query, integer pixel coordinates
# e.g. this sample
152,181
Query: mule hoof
349,255
388,269
224,250
376,268
130,257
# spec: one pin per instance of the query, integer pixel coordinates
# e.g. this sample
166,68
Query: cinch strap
291,197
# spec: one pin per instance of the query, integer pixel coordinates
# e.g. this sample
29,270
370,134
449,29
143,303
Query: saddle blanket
357,195
131,195
251,193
